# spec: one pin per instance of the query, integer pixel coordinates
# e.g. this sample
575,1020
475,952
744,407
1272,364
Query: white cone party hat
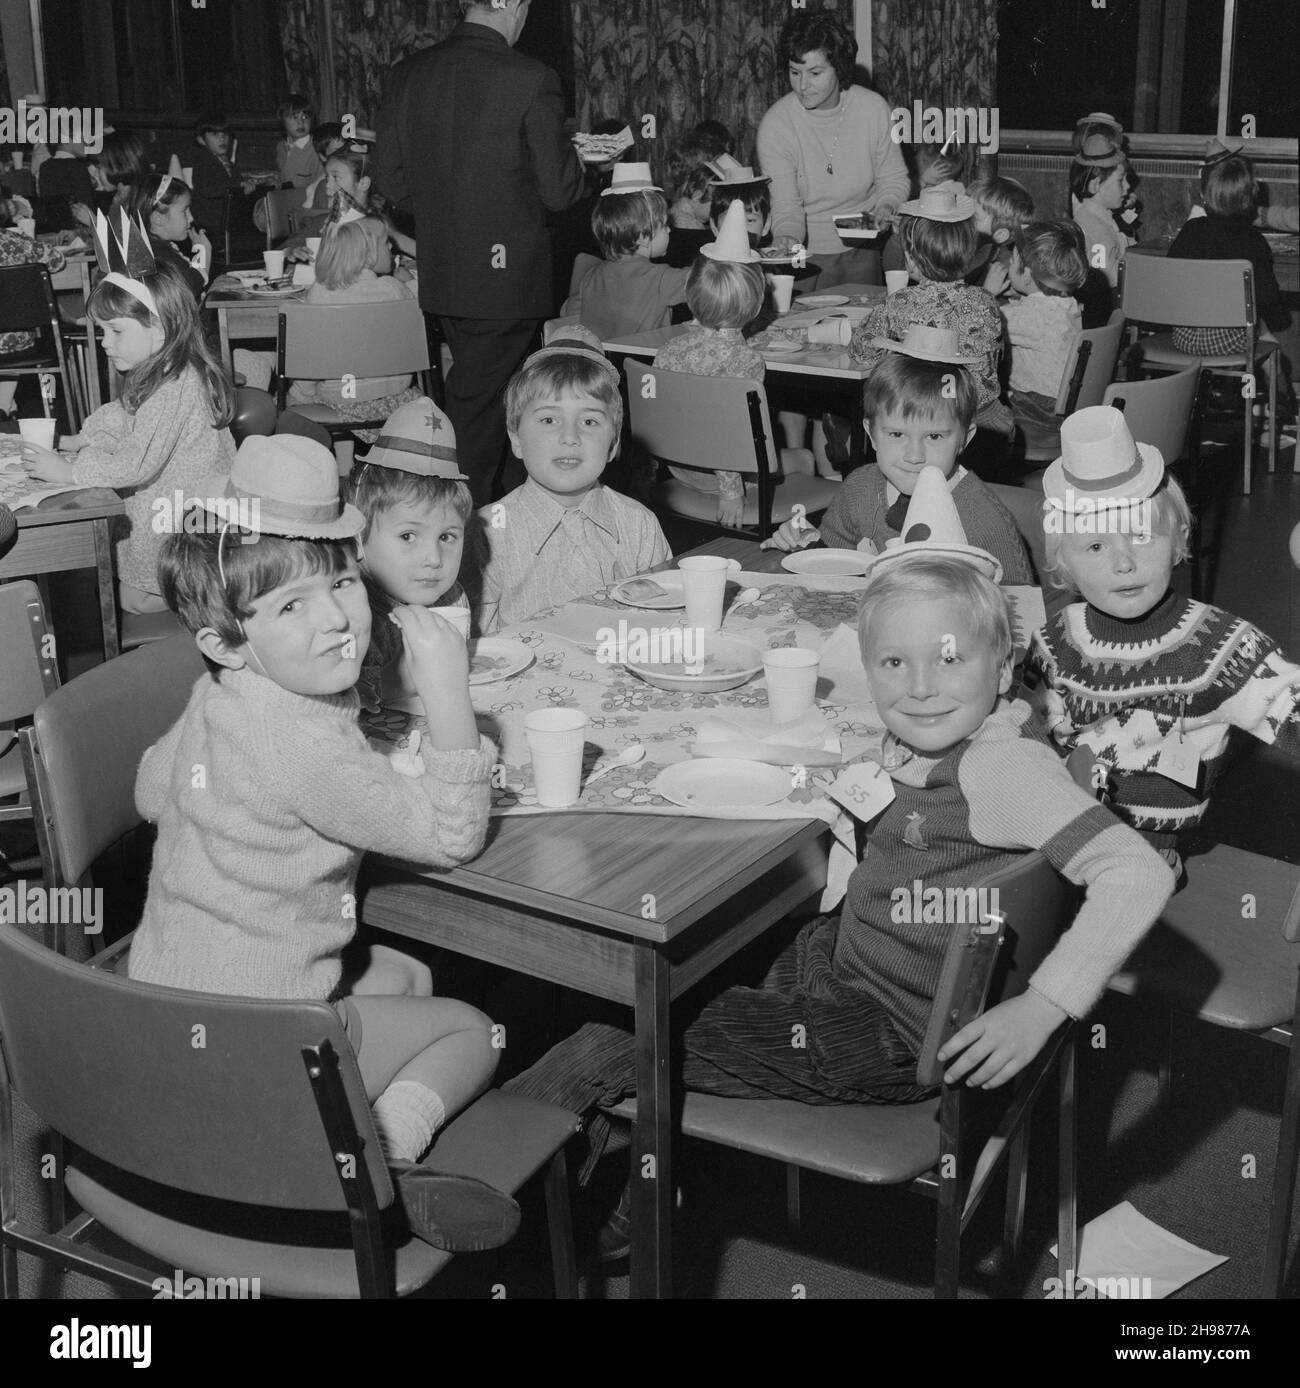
733,238
934,527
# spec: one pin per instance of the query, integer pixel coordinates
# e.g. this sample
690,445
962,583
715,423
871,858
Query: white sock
407,1115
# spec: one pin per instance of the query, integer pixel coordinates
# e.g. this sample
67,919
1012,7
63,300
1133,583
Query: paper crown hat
933,527
927,343
1099,152
941,203
726,170
292,485
124,257
1100,464
732,244
572,340
631,178
1216,152
418,438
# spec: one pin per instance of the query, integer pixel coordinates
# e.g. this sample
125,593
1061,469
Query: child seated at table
974,785
561,535
163,204
1148,682
626,292
167,427
734,182
297,163
920,405
253,879
1044,323
1002,207
215,173
416,506
937,235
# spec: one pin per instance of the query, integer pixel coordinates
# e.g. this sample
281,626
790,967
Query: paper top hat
417,437
294,482
1101,463
126,255
631,178
941,203
1216,152
728,170
933,527
574,341
1099,152
927,343
732,244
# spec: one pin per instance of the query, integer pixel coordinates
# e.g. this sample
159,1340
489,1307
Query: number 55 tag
863,789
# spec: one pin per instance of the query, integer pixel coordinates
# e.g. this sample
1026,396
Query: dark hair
375,489
212,123
722,294
184,343
323,134
940,250
689,156
122,158
293,103
190,573
145,199
913,388
805,33
1228,188
1082,175
757,197
620,220
715,135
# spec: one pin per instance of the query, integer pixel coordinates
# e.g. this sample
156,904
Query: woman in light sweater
827,149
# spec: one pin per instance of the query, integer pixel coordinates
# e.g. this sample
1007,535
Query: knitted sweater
632,295
265,801
954,820
1120,687
860,512
169,443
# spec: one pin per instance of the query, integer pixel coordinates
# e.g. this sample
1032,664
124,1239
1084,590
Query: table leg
104,584
223,331
652,1178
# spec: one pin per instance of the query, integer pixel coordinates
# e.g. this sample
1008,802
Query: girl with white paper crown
167,427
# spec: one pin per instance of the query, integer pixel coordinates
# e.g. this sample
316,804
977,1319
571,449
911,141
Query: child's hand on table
996,1046
791,536
44,465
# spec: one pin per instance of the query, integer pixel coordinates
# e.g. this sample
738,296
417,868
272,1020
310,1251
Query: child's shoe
455,1213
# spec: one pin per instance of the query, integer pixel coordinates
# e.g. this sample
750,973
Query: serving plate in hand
723,784
854,234
841,562
726,664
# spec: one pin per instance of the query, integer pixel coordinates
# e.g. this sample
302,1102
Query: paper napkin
807,741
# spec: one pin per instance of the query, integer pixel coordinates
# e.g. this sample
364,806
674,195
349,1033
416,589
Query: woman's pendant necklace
835,144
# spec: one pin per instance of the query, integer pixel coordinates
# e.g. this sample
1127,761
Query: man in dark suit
472,134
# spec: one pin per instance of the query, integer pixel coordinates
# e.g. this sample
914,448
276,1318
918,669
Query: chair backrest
277,205
27,301
29,672
1188,293
83,749
1099,367
709,422
1158,410
319,342
1026,507
204,1093
1011,920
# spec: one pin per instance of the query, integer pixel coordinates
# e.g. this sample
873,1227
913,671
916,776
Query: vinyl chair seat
142,628
814,494
1159,350
503,1139
885,1144
1202,958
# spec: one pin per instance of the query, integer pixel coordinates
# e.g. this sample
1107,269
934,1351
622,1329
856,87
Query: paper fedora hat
1101,463
631,178
927,343
941,203
733,239
1099,151
1099,118
294,483
418,438
1216,152
933,527
728,170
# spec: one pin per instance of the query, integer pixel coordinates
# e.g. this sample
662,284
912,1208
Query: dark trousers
486,352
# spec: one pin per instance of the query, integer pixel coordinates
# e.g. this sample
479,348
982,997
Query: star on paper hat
933,526
732,244
418,438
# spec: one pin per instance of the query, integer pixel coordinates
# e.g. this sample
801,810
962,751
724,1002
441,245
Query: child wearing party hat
734,181
266,794
1148,682
1098,189
626,292
920,406
416,506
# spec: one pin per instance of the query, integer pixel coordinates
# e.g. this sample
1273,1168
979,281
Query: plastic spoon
629,756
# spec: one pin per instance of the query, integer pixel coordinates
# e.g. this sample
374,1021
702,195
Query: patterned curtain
939,52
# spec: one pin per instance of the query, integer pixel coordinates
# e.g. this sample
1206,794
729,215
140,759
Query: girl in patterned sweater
1150,683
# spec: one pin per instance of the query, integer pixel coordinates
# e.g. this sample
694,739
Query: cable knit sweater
265,801
169,443
959,817
1120,687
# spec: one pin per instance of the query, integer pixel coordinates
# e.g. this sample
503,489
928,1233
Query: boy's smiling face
413,550
933,677
904,446
565,443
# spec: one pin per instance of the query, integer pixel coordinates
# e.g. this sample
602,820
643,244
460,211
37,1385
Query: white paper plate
778,259
493,658
842,562
248,276
670,581
727,664
721,784
782,349
822,300
286,291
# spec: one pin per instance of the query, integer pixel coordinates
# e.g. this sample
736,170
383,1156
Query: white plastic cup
791,673
38,431
313,245
831,332
704,584
895,280
457,616
782,291
274,263
556,737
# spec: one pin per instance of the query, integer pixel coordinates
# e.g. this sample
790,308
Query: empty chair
29,673
276,208
27,304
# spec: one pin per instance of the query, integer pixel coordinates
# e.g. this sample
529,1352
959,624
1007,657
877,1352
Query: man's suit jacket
472,133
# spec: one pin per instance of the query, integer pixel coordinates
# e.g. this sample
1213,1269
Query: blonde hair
724,295
1170,515
347,249
923,576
